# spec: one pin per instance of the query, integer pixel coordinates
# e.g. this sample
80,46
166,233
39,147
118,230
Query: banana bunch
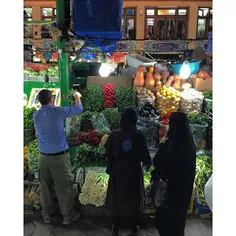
26,154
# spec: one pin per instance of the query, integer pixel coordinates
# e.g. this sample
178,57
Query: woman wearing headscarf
126,149
176,162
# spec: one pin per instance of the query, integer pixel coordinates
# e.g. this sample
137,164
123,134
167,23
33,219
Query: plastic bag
101,124
73,127
199,135
149,127
208,192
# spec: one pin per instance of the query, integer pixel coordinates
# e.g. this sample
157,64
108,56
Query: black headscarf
128,119
179,133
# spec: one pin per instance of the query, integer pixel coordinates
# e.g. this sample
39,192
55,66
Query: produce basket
202,210
142,101
53,79
191,101
169,103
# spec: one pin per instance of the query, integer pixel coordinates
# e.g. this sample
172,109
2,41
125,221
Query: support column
63,59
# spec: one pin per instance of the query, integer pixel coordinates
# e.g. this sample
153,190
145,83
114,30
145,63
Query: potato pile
144,93
168,99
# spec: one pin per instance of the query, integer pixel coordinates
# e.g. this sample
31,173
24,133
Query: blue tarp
98,18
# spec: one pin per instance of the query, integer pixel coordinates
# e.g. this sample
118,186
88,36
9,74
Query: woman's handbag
159,191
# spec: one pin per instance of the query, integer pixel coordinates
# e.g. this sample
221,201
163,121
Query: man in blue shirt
54,160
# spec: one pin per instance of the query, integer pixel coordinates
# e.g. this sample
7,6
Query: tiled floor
98,226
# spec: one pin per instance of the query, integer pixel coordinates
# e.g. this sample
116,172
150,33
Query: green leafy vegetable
92,98
203,174
86,121
91,156
113,117
207,95
125,98
195,118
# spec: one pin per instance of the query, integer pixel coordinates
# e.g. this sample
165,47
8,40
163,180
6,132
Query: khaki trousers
56,171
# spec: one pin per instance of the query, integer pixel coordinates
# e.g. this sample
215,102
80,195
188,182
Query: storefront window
204,22
166,23
48,14
28,29
129,22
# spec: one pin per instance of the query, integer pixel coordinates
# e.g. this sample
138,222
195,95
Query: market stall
155,92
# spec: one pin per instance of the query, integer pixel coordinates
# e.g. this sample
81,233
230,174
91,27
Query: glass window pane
201,28
170,34
28,12
161,28
130,28
149,28
181,28
46,11
166,12
150,12
28,19
200,12
205,11
130,12
182,12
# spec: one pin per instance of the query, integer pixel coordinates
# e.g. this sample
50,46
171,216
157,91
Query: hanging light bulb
105,70
185,70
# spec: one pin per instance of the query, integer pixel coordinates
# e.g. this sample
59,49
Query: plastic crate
53,79
34,78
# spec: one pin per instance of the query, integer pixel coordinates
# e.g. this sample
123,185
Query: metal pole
63,59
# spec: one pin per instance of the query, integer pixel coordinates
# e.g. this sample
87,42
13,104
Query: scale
33,99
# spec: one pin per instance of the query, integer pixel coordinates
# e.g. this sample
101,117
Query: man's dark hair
44,96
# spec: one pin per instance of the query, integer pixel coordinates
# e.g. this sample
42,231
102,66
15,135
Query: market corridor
98,226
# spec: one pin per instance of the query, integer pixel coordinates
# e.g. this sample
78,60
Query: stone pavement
99,226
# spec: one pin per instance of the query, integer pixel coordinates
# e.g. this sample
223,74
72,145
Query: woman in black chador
176,158
126,149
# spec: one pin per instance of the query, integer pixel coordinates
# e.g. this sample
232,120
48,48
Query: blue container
194,67
202,210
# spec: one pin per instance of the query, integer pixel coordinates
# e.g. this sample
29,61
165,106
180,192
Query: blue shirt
49,125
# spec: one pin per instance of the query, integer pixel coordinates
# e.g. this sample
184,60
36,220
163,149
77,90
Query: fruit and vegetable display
94,189
167,99
73,127
86,121
33,157
164,118
148,120
26,154
91,156
51,71
195,118
113,117
109,91
32,196
203,174
198,125
143,93
28,117
191,101
148,110
207,95
125,98
91,138
101,124
92,98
